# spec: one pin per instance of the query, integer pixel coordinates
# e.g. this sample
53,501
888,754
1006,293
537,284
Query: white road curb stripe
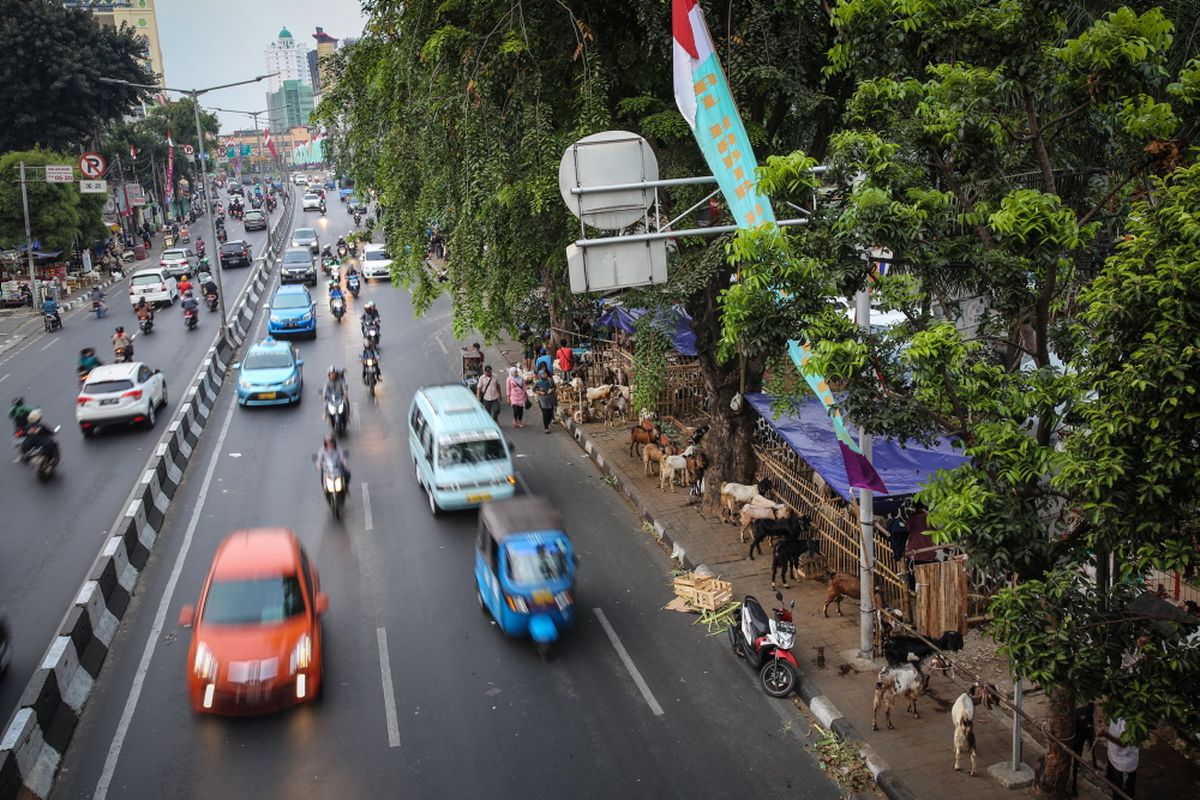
638,680
389,694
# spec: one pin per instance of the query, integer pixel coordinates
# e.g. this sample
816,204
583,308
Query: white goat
907,680
669,468
963,716
734,496
761,508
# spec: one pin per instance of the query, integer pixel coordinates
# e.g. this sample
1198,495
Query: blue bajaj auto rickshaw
525,569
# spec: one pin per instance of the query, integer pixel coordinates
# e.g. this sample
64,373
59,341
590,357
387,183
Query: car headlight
448,487
275,319
291,381
244,384
517,603
205,664
302,653
307,316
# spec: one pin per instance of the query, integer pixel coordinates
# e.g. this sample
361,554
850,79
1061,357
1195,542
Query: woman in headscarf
514,388
547,395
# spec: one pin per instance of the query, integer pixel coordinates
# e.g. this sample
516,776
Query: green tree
996,150
59,216
458,113
149,136
49,76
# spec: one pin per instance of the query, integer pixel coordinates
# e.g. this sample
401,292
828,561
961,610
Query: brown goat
640,435
652,454
844,585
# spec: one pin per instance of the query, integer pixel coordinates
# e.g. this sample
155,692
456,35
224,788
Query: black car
298,266
234,188
236,253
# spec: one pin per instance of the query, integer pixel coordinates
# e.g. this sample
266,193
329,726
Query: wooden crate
703,591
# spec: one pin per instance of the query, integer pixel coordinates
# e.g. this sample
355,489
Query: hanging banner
170,190
706,102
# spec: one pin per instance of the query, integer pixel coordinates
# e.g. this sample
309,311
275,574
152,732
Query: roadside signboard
93,187
56,173
92,165
135,194
189,152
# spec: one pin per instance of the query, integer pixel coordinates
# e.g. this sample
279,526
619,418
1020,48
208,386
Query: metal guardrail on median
36,737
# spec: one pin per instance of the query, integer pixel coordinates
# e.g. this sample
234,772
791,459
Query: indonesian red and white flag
170,141
270,144
133,151
693,45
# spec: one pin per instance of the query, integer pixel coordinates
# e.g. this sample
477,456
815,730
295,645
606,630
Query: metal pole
33,290
1018,693
866,518
212,226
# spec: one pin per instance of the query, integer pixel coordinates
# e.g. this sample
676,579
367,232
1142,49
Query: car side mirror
299,362
187,615
158,372
322,602
236,365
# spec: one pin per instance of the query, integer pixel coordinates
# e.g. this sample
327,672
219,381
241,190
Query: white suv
312,202
375,262
120,394
156,284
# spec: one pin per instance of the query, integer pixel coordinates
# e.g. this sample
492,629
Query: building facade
289,59
137,14
290,106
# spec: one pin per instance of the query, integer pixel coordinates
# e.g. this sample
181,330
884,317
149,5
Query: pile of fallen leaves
842,761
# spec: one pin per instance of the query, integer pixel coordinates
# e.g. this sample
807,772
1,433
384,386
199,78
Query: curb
818,704
36,738
20,335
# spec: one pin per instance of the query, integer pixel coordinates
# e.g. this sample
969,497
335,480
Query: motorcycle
767,645
200,248
190,319
123,354
51,322
42,459
337,413
222,237
370,332
357,220
353,284
370,374
99,309
333,482
211,300
342,251
338,306
146,325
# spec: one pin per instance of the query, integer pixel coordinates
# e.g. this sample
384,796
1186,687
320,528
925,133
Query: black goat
786,556
787,528
698,434
897,649
1085,734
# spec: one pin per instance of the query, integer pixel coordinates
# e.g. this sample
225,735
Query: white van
461,457
155,284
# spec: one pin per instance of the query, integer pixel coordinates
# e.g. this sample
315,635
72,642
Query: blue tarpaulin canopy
674,322
808,431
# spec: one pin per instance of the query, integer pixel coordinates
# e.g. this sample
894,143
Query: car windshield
297,257
290,300
474,451
376,255
107,387
312,197
168,255
303,236
262,601
536,562
145,280
254,215
267,359
232,247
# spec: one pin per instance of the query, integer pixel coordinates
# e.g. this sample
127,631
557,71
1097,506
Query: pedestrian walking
1122,760
488,391
518,398
565,357
543,361
547,395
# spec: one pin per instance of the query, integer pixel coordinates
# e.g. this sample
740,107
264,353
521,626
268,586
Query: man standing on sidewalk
488,391
1122,760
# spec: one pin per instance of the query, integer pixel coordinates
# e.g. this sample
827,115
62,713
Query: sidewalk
915,759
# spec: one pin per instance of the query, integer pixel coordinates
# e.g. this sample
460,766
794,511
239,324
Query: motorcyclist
121,341
322,206
370,313
331,456
208,286
49,306
335,292
199,247
19,413
189,304
185,285
98,301
38,435
327,252
88,360
370,352
335,383
144,310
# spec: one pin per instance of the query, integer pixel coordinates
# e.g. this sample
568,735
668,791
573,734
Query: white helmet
35,416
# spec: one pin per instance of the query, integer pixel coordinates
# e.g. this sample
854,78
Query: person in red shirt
565,357
185,285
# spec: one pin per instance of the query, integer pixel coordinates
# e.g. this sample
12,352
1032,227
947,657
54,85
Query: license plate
266,395
542,597
110,402
478,498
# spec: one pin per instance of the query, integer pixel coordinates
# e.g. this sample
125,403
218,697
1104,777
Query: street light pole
195,95
28,240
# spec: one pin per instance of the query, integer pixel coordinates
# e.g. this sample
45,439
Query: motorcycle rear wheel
777,678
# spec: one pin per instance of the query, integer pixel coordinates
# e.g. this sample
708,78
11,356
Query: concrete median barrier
37,735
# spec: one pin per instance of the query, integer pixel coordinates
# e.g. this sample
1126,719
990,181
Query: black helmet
18,401
120,329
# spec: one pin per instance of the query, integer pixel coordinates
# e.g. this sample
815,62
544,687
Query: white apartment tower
289,58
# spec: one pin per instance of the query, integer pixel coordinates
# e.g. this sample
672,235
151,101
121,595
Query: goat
601,392
897,649
614,408
789,527
698,435
787,554
907,680
697,463
759,511
641,435
844,585
734,495
582,415
669,468
963,717
652,453
1085,734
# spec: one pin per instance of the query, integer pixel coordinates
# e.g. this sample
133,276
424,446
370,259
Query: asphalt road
471,713
52,532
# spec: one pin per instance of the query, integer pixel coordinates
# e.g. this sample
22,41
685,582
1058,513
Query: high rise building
313,72
137,14
290,107
289,59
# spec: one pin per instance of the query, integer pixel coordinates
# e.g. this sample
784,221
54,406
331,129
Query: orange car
256,645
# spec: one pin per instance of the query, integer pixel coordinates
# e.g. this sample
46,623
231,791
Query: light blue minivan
461,457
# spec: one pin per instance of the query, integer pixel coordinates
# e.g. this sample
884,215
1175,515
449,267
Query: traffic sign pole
212,226
29,241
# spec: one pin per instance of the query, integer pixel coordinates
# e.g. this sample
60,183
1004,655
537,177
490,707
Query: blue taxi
270,375
292,312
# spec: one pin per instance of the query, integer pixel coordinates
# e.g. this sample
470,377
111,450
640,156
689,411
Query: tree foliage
49,87
149,136
59,216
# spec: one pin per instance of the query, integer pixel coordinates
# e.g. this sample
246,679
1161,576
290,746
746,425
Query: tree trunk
728,443
1053,778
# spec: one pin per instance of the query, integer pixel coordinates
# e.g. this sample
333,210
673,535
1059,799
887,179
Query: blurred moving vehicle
120,394
376,263
292,311
256,641
270,374
525,569
297,266
179,262
236,254
312,202
254,220
306,237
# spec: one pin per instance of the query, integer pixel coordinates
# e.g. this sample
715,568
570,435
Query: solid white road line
441,344
389,695
647,695
368,520
160,618
50,344
2,380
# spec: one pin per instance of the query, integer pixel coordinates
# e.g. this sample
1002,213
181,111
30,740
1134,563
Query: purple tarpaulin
808,431
674,322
